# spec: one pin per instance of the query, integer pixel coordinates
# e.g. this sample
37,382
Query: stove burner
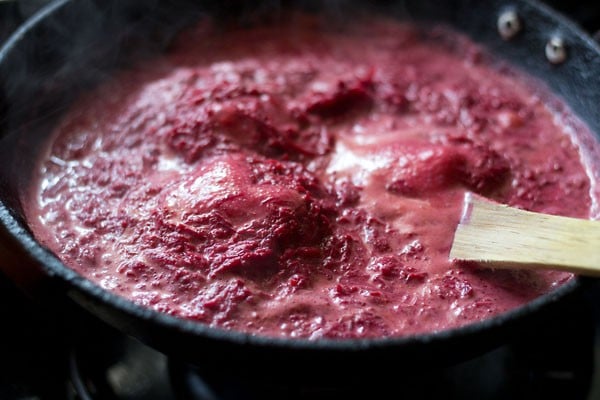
550,363
112,366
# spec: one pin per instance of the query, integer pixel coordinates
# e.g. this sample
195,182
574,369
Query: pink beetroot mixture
295,181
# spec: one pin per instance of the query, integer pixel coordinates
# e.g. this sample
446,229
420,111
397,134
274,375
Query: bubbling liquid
296,181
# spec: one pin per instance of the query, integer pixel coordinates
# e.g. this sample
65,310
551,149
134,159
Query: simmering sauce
291,180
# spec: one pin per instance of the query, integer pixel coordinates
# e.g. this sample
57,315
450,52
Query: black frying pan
70,46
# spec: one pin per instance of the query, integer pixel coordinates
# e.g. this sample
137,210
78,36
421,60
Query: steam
68,47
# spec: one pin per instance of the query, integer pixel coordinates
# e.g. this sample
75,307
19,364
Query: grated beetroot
292,180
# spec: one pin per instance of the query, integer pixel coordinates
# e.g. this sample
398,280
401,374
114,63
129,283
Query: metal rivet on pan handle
509,24
556,50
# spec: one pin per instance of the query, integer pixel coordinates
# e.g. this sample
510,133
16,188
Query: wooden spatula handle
505,237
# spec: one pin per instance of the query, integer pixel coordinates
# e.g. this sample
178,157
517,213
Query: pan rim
54,268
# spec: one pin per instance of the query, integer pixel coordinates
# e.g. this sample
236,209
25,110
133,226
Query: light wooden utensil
499,236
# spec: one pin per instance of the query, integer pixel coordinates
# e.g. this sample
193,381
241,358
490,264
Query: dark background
586,13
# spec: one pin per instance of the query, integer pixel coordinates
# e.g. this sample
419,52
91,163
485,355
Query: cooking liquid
301,182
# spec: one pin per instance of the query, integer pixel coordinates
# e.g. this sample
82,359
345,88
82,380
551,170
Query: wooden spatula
499,236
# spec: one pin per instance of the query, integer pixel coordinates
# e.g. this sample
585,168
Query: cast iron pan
70,46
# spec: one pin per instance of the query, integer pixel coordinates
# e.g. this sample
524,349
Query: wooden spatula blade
504,237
